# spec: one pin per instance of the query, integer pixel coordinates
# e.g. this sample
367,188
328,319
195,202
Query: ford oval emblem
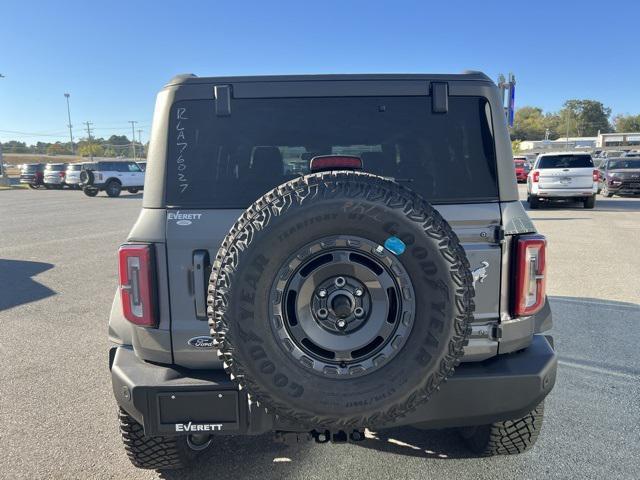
184,222
201,342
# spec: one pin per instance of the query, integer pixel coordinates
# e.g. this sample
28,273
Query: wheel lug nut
322,293
358,292
341,324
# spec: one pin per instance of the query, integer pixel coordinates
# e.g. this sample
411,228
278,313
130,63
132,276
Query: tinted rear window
31,168
230,161
566,161
56,168
624,164
74,168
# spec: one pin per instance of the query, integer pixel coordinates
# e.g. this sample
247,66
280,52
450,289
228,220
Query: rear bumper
564,192
173,401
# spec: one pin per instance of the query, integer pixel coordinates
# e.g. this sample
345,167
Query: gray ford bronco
318,255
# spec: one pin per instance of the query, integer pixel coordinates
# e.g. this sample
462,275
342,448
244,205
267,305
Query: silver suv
562,176
316,255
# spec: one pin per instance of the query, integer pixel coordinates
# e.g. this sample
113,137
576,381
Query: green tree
86,150
584,118
515,146
528,124
58,149
627,123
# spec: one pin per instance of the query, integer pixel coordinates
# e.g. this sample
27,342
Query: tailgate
193,238
558,178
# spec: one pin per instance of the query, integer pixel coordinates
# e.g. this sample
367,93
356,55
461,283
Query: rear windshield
31,168
623,164
75,167
566,161
230,161
519,163
56,168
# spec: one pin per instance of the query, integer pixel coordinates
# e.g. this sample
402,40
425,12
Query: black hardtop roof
190,78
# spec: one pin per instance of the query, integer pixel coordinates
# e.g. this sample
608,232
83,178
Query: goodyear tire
307,257
87,177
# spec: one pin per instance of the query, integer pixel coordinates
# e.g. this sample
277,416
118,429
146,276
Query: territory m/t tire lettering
340,299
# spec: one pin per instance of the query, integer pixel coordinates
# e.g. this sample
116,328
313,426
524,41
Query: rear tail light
335,162
596,175
536,176
137,283
62,174
530,275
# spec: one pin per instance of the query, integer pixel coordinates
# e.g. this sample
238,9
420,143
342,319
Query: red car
522,168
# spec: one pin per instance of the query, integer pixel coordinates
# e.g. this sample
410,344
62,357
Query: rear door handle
201,271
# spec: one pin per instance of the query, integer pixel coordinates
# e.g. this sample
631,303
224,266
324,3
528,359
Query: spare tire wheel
340,300
87,177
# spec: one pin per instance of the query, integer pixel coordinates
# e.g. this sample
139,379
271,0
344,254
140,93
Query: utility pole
133,138
88,124
69,125
140,142
567,138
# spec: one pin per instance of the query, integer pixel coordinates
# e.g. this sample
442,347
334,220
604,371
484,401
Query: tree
86,150
528,124
627,123
515,146
584,118
58,149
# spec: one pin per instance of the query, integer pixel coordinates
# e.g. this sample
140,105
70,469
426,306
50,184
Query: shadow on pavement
16,285
413,442
246,457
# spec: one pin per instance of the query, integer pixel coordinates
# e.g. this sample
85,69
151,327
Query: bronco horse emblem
480,273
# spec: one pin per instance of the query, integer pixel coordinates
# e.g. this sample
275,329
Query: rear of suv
32,174
54,175
316,255
561,177
111,177
72,175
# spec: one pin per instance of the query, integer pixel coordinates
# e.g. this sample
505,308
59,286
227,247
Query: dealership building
631,139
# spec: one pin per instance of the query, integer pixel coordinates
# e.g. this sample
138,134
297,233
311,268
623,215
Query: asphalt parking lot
57,414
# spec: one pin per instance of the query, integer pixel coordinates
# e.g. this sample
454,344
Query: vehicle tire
590,202
324,232
505,438
33,187
113,188
161,453
90,191
132,190
605,191
534,202
87,177
47,186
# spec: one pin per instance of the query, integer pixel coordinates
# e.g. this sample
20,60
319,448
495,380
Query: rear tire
90,191
506,438
113,189
34,187
132,190
534,202
590,202
162,453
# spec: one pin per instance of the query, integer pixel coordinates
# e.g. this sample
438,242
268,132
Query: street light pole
69,125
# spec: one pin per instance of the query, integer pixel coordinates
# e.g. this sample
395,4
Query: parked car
32,174
72,175
632,154
620,176
54,175
111,177
562,176
344,295
521,165
142,165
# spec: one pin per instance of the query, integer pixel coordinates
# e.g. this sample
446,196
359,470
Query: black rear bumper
172,401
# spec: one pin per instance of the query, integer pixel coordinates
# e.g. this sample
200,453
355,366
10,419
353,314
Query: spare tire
340,300
87,177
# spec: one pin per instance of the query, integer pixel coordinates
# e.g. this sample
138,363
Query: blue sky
112,57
